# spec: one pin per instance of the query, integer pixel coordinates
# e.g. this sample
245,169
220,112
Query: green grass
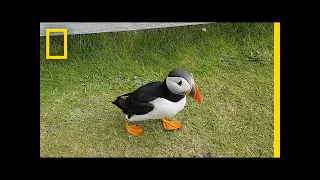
233,68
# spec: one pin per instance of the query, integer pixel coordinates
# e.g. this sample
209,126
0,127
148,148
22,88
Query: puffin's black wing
138,108
137,101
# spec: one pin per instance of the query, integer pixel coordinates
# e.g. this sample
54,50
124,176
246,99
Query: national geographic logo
56,30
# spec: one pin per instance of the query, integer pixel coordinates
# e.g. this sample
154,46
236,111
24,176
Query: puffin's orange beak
197,95
194,93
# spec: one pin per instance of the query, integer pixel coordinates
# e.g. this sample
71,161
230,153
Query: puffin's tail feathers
119,102
125,95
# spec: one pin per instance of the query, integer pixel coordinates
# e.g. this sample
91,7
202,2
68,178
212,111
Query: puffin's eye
179,83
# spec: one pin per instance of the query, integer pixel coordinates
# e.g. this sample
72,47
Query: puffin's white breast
162,108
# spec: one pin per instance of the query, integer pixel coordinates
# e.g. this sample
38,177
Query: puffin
158,100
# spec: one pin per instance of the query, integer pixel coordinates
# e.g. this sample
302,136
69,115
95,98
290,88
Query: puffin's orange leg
134,129
170,125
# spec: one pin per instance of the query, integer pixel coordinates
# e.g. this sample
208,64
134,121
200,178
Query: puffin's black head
180,81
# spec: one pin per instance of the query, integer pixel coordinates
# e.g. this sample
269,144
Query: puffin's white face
178,85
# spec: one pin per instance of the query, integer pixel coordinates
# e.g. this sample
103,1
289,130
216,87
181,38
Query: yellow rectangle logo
277,89
61,30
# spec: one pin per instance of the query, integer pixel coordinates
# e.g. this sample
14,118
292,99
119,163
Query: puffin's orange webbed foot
170,125
134,129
